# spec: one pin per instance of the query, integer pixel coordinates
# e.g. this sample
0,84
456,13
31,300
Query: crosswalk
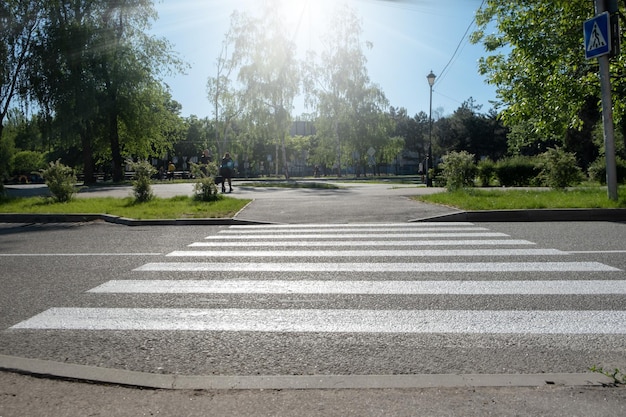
374,260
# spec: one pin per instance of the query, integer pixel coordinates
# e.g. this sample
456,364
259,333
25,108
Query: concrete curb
534,215
80,218
38,367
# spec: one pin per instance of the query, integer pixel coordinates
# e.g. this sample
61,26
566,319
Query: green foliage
518,171
618,377
204,188
142,187
7,150
486,171
61,181
534,83
597,170
459,170
26,162
348,104
558,169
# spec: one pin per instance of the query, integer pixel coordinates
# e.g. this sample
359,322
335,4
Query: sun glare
307,19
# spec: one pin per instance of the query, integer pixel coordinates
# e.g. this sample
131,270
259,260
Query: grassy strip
179,207
497,199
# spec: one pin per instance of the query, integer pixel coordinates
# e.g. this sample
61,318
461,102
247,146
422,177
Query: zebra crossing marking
331,321
417,225
370,253
377,267
307,243
350,229
357,235
525,287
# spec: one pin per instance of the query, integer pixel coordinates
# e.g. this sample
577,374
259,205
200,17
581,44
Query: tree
268,72
350,109
538,64
226,100
19,20
61,77
95,67
479,134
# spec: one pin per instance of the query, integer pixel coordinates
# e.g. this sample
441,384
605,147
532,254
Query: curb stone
38,367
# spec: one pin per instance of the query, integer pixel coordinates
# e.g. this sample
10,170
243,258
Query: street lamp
431,81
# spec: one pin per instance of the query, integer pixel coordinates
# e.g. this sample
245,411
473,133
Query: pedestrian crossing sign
597,36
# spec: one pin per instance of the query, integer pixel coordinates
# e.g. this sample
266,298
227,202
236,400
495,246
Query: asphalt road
57,266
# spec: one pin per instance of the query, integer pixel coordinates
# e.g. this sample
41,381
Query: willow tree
349,107
226,100
267,71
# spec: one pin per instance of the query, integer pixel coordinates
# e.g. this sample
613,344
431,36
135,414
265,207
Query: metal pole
429,180
607,117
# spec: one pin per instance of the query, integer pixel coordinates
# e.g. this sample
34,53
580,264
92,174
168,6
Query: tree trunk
116,154
88,171
285,165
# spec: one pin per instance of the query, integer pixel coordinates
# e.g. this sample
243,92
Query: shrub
597,170
204,189
142,186
517,171
459,170
61,181
486,172
558,168
27,162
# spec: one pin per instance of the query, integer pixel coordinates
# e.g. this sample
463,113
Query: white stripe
557,287
596,251
358,236
79,254
378,267
369,253
468,242
341,225
345,230
309,320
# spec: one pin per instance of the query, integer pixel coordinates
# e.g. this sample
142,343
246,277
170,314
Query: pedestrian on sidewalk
226,172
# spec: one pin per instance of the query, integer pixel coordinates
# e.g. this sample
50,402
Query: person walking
226,171
205,159
170,170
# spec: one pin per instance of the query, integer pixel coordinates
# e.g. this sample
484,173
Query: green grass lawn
159,208
510,199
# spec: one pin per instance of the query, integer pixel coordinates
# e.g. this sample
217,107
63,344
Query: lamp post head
431,78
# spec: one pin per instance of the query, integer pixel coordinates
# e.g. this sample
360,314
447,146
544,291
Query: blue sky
410,38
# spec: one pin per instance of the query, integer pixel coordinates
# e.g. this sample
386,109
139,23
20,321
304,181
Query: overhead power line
442,73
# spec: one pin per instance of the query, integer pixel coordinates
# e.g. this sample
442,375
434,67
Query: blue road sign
597,36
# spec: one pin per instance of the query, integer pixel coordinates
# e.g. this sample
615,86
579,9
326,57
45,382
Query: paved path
351,202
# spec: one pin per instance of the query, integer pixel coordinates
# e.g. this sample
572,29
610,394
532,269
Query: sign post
598,44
